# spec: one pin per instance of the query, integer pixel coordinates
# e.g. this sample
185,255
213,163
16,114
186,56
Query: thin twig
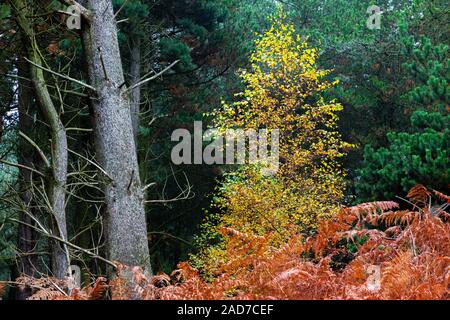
84,12
151,78
34,144
93,163
79,129
21,166
81,83
16,283
118,11
171,236
149,185
52,236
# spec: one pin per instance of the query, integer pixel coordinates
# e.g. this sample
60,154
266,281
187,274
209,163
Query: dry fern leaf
45,288
47,294
161,280
397,275
397,218
372,207
78,294
419,194
119,289
2,289
99,290
369,212
441,196
393,231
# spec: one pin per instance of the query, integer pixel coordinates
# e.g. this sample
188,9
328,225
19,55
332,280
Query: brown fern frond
393,231
48,294
397,275
161,280
367,212
330,231
45,288
441,196
119,289
99,289
396,218
2,289
444,216
373,207
370,212
419,194
78,294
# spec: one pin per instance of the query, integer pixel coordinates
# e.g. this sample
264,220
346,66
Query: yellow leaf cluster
284,90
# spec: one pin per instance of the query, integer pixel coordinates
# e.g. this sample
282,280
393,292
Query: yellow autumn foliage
284,89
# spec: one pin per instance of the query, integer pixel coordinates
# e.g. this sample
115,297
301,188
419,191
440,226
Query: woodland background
85,170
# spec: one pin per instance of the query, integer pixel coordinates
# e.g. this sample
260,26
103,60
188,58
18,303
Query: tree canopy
336,113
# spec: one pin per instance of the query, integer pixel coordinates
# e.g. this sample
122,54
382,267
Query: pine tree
422,154
430,69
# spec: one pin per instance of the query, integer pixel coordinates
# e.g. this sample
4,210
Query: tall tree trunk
27,237
135,76
58,178
125,223
1,124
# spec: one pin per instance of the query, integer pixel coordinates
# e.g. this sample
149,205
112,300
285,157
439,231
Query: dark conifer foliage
94,206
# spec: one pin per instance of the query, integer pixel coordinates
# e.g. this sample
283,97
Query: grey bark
135,76
1,125
125,223
58,178
27,237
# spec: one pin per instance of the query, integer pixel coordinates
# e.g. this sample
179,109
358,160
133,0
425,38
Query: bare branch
79,129
185,194
93,163
81,83
41,153
85,13
22,167
120,9
149,185
69,244
140,83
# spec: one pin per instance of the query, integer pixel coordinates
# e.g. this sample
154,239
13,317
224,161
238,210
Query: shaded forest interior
91,92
